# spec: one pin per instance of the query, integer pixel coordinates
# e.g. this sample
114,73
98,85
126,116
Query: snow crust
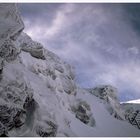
134,101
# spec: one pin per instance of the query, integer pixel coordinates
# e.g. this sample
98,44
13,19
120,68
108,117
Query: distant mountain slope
132,112
134,101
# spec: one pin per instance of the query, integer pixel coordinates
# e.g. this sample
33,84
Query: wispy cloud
98,39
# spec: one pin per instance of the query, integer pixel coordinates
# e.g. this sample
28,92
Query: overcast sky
102,41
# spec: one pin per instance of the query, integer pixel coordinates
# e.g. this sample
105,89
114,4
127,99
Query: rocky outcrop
59,73
47,129
37,51
68,85
34,48
9,51
15,98
10,27
11,23
105,92
3,130
108,94
83,113
14,95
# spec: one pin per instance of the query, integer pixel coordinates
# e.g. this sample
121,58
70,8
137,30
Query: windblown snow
39,95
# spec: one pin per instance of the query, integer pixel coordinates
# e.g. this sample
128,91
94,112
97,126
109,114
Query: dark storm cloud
100,40
39,12
132,14
31,10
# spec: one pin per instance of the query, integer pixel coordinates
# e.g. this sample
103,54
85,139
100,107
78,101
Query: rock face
14,95
34,48
105,92
108,94
83,113
11,23
16,90
59,72
8,50
48,130
10,27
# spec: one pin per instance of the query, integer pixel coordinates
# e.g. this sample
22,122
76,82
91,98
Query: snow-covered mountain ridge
39,96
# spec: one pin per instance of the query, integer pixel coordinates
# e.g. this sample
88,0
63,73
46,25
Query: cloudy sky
102,41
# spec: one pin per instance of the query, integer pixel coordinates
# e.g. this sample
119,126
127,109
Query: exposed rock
3,130
70,71
33,47
83,113
82,117
48,129
14,99
16,93
1,67
59,68
36,52
13,95
104,92
68,85
11,23
20,118
10,27
128,112
51,57
8,50
108,94
10,116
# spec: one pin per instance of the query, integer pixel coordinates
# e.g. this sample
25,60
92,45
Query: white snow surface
133,101
57,98
55,104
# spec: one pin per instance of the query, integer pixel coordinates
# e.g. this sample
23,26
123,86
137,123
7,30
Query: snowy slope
134,101
39,96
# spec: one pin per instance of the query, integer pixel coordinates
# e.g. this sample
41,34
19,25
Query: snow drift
39,96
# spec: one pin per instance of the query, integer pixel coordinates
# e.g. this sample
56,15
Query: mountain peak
39,95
